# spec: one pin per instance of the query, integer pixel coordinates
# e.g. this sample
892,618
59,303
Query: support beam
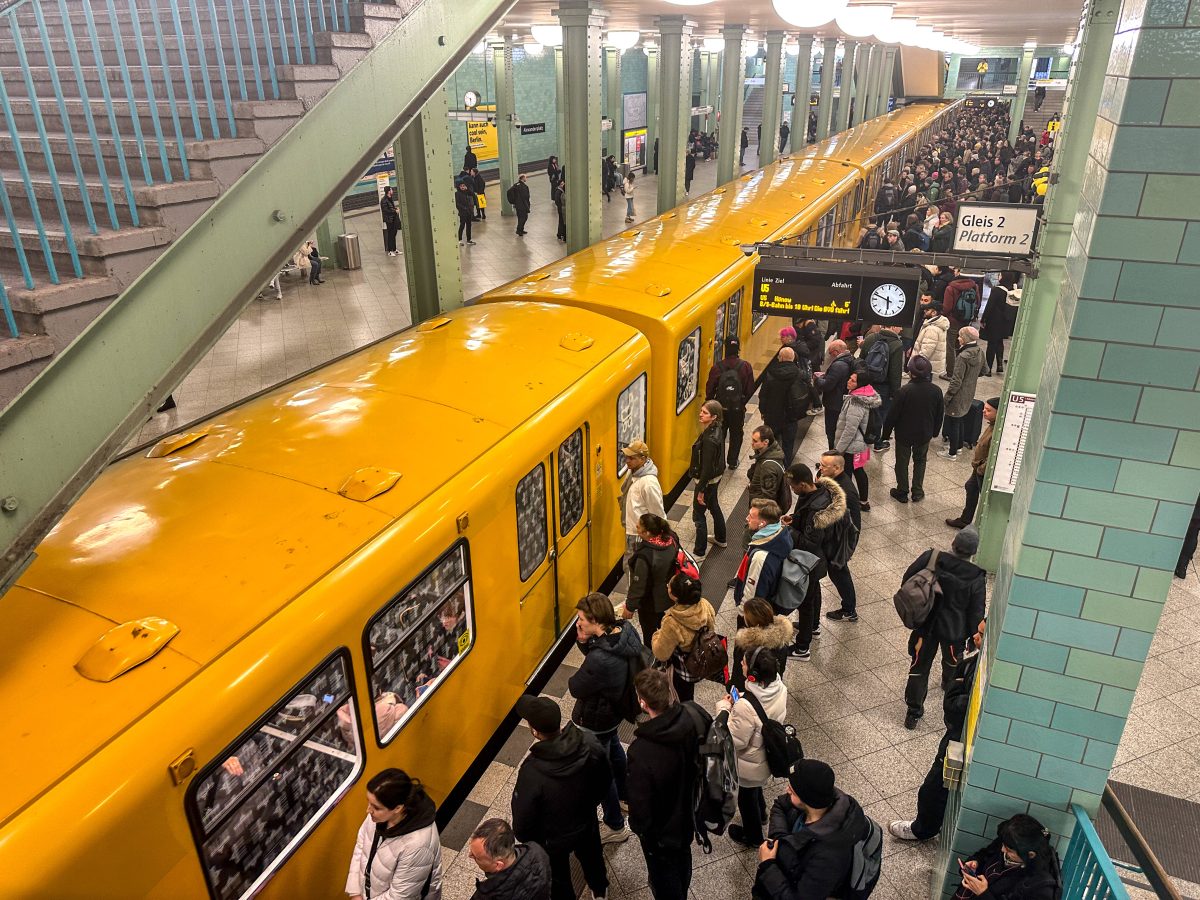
803,90
581,22
674,107
768,148
886,79
846,93
58,435
714,89
862,60
506,112
1017,113
950,88
612,101
560,104
425,174
825,101
732,100
871,97
652,124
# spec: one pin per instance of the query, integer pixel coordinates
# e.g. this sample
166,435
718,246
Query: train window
254,807
687,378
414,642
531,521
719,335
570,482
631,418
756,320
735,313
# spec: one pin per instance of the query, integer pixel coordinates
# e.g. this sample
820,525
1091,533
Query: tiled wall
1093,538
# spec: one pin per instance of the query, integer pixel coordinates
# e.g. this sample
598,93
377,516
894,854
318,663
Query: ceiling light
1031,45
714,44
547,35
1068,49
862,19
533,48
898,30
808,13
624,40
792,49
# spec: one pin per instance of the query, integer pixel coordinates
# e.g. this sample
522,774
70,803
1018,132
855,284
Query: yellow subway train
365,566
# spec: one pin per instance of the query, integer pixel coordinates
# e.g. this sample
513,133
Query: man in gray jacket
968,363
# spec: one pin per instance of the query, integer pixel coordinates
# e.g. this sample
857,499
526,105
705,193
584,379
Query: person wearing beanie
979,458
733,392
811,837
953,619
916,418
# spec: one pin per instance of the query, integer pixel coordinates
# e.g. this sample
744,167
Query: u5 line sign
997,228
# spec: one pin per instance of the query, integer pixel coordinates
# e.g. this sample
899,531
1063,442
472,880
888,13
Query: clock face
888,300
470,99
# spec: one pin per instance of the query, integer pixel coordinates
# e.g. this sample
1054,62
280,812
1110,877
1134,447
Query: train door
536,566
572,526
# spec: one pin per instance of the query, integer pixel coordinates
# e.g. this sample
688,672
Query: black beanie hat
812,780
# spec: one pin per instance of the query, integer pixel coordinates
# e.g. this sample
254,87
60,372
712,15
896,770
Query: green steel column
701,79
674,107
803,91
327,233
733,97
560,104
581,22
772,98
866,103
652,129
825,100
612,101
846,94
862,61
714,88
425,174
888,78
506,113
950,88
1017,114
1034,329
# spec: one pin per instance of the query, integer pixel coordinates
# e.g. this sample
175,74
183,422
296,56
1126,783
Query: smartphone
733,692
771,843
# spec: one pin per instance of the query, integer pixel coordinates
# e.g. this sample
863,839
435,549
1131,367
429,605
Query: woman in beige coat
689,613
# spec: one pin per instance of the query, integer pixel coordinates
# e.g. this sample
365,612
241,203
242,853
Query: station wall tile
1075,632
1109,509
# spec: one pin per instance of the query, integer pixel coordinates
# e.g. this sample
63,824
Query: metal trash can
349,254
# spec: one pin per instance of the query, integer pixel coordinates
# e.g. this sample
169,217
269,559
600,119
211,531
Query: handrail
1087,871
1152,869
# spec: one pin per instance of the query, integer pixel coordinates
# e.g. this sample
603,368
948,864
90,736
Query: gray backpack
918,595
798,570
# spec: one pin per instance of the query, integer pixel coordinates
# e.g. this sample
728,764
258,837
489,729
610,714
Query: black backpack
872,241
966,305
877,361
729,390
512,194
714,799
782,747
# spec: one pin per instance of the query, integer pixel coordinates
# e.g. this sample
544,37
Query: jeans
751,804
464,224
860,476
735,424
932,797
921,651
698,516
919,453
954,431
840,579
314,274
588,851
611,804
972,487
629,207
389,235
669,868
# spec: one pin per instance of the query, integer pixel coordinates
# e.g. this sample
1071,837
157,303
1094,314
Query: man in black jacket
814,521
813,830
888,386
916,418
964,599
734,403
662,775
832,384
833,465
520,203
558,787
511,871
783,399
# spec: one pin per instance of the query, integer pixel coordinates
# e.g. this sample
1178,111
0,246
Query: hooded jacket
661,778
964,597
963,380
528,878
809,336
813,860
782,394
950,298
408,861
852,423
641,493
599,683
744,372
915,414
558,786
816,517
650,568
833,382
679,627
758,574
746,729
895,367
767,472
931,342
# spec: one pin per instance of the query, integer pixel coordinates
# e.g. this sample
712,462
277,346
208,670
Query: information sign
1010,453
534,128
1004,228
832,292
482,140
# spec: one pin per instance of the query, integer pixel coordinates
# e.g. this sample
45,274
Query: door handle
553,555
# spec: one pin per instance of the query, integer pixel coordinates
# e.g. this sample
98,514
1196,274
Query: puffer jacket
931,342
598,684
852,423
961,390
813,861
408,861
817,516
650,568
528,878
745,727
758,574
679,627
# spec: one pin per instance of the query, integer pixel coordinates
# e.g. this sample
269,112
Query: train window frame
201,833
539,469
564,504
733,316
631,391
719,331
466,584
682,378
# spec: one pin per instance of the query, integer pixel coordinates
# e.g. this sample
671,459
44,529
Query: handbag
861,457
481,199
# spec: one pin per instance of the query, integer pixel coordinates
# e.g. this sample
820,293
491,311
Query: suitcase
972,425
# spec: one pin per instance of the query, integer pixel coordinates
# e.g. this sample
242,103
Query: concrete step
122,254
59,311
21,359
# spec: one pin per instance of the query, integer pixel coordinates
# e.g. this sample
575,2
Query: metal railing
129,83
1087,871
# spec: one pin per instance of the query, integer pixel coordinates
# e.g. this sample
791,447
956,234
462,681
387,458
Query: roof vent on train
125,647
630,234
535,277
719,190
576,342
173,443
657,290
433,324
368,483
669,214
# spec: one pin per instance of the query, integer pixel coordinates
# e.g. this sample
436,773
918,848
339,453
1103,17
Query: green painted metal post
327,232
862,62
846,94
772,99
886,80
652,123
1017,114
581,22
825,99
732,100
803,92
425,174
560,104
950,88
612,101
506,115
714,88
675,106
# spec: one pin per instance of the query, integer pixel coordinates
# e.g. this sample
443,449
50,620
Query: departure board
889,298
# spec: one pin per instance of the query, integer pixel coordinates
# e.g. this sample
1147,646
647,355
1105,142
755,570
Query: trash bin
349,254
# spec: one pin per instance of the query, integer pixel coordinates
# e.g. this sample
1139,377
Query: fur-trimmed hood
771,637
831,514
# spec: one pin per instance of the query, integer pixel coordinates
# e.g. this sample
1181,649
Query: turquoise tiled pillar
1113,461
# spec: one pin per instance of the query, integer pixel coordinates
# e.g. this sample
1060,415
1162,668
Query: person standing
554,174
391,219
960,393
764,628
511,871
479,186
558,194
559,785
733,391
852,426
931,338
784,132
676,636
768,472
956,287
464,203
887,386
843,540
745,143
627,189
832,384
650,568
708,465
916,419
998,321
979,457
783,398
814,523
470,160
640,492
397,852
520,203
689,171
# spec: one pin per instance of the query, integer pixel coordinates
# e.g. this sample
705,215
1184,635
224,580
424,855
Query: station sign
534,128
889,297
1008,229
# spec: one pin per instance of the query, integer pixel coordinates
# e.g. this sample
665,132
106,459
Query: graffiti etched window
531,521
687,379
719,335
735,314
631,418
570,482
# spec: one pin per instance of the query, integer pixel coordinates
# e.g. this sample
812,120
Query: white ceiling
998,23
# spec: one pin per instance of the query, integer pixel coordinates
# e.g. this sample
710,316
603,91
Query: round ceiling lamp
808,13
624,40
533,48
897,30
547,35
862,19
714,44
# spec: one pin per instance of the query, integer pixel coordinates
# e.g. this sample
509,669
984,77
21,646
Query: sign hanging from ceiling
1004,228
886,296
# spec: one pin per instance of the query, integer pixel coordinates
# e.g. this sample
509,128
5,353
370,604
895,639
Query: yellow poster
482,140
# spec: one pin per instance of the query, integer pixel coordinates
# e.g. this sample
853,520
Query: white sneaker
946,454
614,835
902,831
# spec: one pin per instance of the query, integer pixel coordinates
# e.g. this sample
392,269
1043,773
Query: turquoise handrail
1087,871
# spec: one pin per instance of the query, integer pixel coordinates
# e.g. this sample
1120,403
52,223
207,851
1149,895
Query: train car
361,568
682,279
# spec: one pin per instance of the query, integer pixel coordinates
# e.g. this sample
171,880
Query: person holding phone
1019,863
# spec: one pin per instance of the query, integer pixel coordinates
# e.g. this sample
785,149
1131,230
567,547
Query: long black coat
558,787
662,773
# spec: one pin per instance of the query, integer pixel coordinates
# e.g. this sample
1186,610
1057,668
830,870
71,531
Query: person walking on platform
518,196
708,465
832,384
464,202
916,419
640,492
559,785
650,568
960,393
559,195
391,219
731,383
783,399
979,457
950,622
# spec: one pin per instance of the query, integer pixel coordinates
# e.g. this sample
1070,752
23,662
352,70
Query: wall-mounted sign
534,128
634,107
481,140
886,299
1003,228
1010,453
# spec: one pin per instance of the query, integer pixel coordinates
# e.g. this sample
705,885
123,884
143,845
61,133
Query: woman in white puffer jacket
745,727
398,854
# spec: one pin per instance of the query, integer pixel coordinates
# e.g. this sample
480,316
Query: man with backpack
664,768
821,842
960,305
832,384
942,611
883,354
761,566
783,401
518,196
731,383
814,523
768,472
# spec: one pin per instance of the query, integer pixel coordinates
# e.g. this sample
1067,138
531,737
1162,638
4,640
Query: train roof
222,533
684,248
